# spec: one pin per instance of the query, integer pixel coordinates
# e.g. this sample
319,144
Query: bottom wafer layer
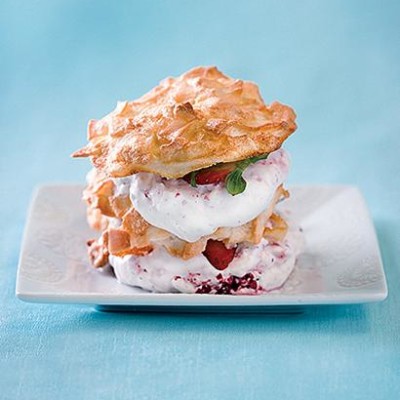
254,269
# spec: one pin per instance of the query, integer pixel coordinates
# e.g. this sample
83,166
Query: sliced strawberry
218,255
211,175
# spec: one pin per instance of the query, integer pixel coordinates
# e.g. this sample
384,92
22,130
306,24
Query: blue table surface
336,62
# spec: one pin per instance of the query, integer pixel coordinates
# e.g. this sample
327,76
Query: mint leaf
234,182
193,178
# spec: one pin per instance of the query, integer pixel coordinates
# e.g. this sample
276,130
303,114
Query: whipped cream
268,265
192,212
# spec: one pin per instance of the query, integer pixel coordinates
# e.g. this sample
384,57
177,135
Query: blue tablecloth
336,62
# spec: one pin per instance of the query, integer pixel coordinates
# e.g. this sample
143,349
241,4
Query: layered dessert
184,188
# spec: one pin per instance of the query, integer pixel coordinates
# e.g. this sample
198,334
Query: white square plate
341,262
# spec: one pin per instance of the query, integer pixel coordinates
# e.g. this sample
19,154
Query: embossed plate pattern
341,262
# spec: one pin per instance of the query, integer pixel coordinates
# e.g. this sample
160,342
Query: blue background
336,62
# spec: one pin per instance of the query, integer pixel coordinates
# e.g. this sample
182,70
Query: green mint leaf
193,178
235,184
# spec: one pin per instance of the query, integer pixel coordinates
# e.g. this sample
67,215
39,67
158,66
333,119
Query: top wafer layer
187,123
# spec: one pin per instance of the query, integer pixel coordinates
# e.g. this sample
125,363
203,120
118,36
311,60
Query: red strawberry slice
218,255
211,175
